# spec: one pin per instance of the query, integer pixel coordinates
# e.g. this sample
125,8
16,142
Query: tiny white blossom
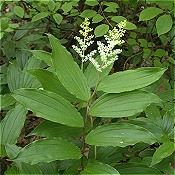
86,41
107,53
90,55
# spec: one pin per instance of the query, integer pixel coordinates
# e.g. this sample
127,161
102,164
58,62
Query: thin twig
124,67
105,16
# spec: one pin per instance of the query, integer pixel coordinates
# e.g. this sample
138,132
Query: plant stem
83,134
82,65
91,122
86,119
95,152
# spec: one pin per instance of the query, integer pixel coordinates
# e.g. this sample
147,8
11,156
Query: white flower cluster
107,52
86,41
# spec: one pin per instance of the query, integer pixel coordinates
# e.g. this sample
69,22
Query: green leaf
68,71
12,170
26,80
143,43
66,7
118,19
58,18
97,18
12,124
110,4
32,38
168,122
88,13
167,95
97,168
49,106
153,114
9,52
130,26
51,83
136,168
49,168
163,151
24,168
92,74
160,53
130,80
110,9
19,11
146,53
23,30
40,16
145,123
149,13
123,104
165,165
12,150
7,100
101,30
51,129
164,24
119,134
44,56
51,5
91,3
4,23
47,150
104,153
13,76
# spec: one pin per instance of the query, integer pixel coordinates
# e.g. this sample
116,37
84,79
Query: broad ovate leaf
68,71
19,11
12,124
43,55
101,30
163,151
52,129
164,24
39,16
88,13
6,100
149,13
123,104
153,114
50,106
119,134
51,83
136,168
130,26
97,168
58,18
47,150
130,80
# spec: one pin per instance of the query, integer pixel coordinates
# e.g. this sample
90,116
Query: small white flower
107,53
86,41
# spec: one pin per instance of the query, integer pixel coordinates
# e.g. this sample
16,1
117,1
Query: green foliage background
27,62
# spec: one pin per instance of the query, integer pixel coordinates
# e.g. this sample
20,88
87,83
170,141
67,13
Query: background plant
95,134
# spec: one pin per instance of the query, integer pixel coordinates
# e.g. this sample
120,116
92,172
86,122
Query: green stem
91,122
95,152
85,122
95,90
82,65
